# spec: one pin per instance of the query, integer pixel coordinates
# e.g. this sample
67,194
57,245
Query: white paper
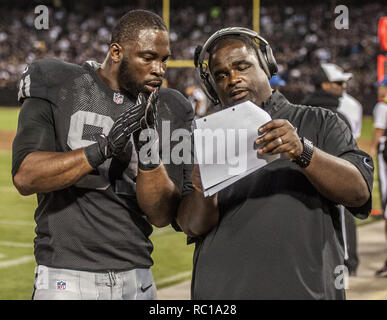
224,145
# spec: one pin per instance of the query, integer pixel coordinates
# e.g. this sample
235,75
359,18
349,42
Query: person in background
198,100
276,82
331,82
378,151
353,111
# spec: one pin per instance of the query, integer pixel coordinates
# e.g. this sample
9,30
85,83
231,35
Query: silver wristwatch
303,160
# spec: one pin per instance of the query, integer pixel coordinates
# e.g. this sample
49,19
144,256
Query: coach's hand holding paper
225,145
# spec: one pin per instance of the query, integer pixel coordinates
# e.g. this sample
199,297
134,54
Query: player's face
238,76
382,91
335,88
144,62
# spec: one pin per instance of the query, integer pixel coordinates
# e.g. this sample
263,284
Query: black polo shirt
278,237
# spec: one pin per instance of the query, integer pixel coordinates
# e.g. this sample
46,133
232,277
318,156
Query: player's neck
108,74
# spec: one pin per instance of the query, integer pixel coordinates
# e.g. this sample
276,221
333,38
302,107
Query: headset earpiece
271,62
198,50
205,77
211,90
265,55
263,62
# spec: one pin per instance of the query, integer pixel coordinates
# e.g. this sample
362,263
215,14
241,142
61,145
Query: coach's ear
115,51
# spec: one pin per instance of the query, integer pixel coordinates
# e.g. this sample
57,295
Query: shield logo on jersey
118,98
61,285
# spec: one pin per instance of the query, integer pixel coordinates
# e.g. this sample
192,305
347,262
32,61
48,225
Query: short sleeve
363,162
338,141
35,131
32,83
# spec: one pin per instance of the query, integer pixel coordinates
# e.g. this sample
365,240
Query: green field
172,257
8,118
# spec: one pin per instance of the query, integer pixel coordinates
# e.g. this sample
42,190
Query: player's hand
113,144
146,139
119,135
142,115
279,136
149,120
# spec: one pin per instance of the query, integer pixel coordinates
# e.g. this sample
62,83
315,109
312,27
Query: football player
77,148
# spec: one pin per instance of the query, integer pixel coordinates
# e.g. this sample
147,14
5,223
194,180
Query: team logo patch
367,162
118,98
61,285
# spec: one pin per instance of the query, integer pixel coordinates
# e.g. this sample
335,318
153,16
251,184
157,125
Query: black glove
148,123
119,135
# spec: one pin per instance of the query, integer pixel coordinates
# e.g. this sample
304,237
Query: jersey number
83,125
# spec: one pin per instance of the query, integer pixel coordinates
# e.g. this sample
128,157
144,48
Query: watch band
303,160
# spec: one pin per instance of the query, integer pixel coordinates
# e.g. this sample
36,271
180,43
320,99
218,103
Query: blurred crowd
301,36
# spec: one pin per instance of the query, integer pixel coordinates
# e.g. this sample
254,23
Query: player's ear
115,51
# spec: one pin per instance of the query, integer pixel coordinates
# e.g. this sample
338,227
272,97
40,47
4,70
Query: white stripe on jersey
20,93
27,84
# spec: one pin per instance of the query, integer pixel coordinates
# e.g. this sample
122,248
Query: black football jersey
95,224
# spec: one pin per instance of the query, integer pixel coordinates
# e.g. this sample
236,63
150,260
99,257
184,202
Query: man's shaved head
129,26
230,40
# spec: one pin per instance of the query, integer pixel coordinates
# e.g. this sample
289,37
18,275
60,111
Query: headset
265,56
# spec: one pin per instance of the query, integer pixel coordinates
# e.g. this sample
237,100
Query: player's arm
157,195
38,168
335,178
50,171
36,165
197,214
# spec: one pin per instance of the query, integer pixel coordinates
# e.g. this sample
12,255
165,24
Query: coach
275,233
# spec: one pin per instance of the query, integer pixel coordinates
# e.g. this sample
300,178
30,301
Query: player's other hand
119,135
143,115
149,119
278,136
146,139
113,144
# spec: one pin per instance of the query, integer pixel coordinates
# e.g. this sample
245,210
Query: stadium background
302,35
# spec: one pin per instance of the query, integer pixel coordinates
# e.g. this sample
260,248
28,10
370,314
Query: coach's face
144,62
238,76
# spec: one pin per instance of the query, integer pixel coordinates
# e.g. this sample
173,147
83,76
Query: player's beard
127,83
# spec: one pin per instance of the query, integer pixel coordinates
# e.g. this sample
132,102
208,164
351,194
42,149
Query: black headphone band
265,56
